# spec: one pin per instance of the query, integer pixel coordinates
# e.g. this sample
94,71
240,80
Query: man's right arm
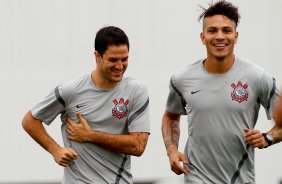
171,134
34,127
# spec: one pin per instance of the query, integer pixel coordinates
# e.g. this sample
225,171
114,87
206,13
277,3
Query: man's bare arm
133,143
171,130
36,130
171,134
276,131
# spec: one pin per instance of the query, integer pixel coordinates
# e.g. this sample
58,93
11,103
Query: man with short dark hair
105,117
221,95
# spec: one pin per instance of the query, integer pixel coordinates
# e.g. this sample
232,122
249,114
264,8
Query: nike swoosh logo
79,106
193,92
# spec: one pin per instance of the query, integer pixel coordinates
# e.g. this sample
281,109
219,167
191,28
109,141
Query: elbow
25,123
138,143
138,155
138,149
138,152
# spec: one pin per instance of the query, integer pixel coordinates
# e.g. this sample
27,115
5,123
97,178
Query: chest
219,93
107,111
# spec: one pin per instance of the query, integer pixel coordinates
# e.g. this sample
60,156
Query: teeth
117,71
220,45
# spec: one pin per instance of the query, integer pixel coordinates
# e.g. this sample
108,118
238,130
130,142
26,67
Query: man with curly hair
221,96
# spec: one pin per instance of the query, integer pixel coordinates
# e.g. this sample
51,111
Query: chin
116,79
220,58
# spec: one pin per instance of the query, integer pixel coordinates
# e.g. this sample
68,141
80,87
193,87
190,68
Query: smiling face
219,35
112,65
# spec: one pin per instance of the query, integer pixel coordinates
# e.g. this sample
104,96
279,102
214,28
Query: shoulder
187,71
133,86
67,88
133,83
79,81
255,73
249,66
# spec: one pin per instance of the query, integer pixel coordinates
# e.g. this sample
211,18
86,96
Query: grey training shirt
120,110
218,108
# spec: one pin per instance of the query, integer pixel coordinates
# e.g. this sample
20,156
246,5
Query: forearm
132,144
170,132
276,133
278,112
37,131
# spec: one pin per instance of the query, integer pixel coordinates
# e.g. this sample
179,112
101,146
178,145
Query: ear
202,38
236,37
98,57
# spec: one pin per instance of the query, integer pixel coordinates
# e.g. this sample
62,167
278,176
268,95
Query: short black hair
108,36
221,8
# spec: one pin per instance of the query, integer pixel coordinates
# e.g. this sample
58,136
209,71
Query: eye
211,30
227,30
113,59
124,59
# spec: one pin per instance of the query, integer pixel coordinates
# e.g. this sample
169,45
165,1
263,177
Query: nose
220,35
119,65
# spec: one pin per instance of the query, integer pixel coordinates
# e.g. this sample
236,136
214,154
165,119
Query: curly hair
221,8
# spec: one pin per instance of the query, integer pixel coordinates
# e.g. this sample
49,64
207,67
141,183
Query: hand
63,156
175,160
254,138
78,132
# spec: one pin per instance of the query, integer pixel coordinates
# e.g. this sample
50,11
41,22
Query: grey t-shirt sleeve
139,118
49,107
268,93
175,101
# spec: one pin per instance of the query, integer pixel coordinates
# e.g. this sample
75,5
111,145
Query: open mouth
117,73
220,45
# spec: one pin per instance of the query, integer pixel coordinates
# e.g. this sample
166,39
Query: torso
219,107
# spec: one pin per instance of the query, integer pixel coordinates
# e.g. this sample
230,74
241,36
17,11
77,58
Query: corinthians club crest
239,93
120,110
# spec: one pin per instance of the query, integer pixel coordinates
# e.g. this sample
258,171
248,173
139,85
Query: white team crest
120,110
239,93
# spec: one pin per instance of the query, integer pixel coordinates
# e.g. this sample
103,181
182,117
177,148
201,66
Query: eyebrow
224,27
115,58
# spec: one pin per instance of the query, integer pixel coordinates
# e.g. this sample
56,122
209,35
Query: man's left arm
268,96
256,139
276,131
133,143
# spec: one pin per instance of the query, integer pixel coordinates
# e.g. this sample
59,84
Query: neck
218,66
101,82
